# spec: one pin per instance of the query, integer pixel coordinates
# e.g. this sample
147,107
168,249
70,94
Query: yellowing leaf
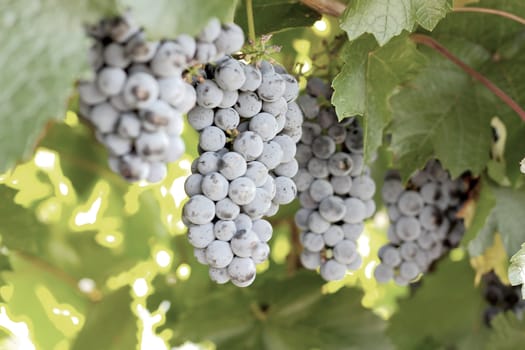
494,258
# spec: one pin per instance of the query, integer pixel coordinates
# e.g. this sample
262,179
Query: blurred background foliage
88,261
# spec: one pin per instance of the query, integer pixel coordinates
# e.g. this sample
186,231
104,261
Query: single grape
263,229
260,252
332,270
224,230
265,125
345,252
133,168
317,224
323,147
199,210
152,145
230,39
117,145
320,189
355,211
227,119
272,87
410,203
307,201
340,164
303,179
229,98
390,256
209,95
212,139
215,186
140,90
129,125
332,208
408,250
285,190
391,190
333,235
192,185
309,106
208,162
243,222
229,75
211,31
105,117
232,165
288,146
288,169
352,231
259,205
257,172
219,276
200,236
200,255
248,104
226,209
253,78
249,144
383,273
313,242
409,270
341,184
408,228
242,190
271,155
318,168
363,187
310,260
219,254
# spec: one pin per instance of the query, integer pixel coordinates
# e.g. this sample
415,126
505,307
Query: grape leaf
277,314
482,220
440,114
386,19
45,48
509,209
368,79
37,292
276,15
508,332
166,19
455,315
120,333
506,218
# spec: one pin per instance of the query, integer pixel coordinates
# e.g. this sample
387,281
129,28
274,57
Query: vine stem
251,21
500,13
327,7
433,44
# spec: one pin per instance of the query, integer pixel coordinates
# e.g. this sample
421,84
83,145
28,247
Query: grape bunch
248,125
423,221
138,96
335,187
501,298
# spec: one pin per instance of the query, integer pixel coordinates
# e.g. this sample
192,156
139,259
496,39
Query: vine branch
433,44
251,21
326,7
500,13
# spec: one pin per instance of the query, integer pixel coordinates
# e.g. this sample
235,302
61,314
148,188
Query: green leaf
517,267
445,309
279,314
510,206
40,294
508,332
369,78
166,19
276,15
479,234
43,50
110,324
440,114
386,19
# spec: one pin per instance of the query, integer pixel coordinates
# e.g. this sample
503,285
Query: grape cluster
335,187
423,220
501,298
138,96
248,126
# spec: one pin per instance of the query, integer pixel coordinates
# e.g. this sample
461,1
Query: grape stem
433,44
251,21
500,13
